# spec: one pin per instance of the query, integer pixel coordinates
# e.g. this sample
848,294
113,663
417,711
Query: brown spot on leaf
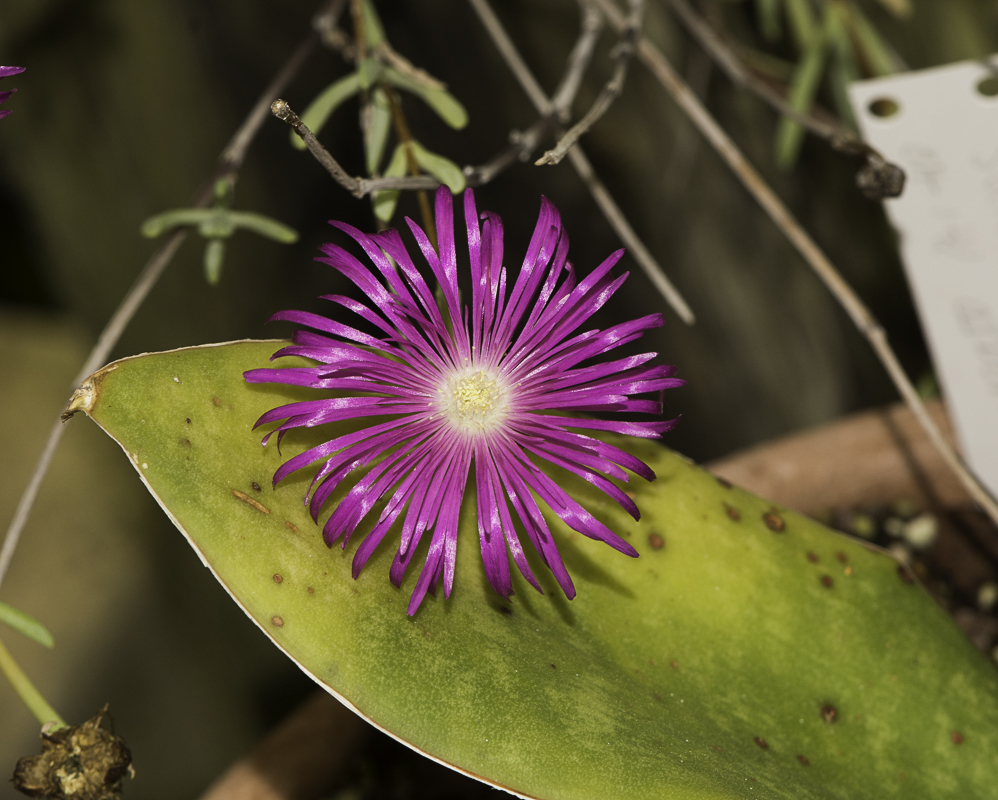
311,590
278,578
956,737
277,621
655,541
829,713
842,557
804,760
185,442
256,486
674,665
813,557
216,402
733,513
774,522
249,501
761,742
187,420
827,582
553,666
292,527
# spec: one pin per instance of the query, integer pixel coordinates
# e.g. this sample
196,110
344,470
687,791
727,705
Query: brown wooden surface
865,459
300,759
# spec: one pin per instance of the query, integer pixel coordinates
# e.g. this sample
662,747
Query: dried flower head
5,72
485,389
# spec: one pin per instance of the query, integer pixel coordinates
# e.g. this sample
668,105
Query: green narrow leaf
443,169
219,224
26,625
168,220
447,107
803,88
874,52
767,14
748,651
214,256
320,109
374,33
803,24
368,72
844,68
264,226
384,202
377,126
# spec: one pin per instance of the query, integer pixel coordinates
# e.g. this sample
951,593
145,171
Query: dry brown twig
861,316
878,179
581,164
622,54
229,162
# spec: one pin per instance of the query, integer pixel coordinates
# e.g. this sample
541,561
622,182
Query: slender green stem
26,690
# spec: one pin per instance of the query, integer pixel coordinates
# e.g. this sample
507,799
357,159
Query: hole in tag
988,87
883,107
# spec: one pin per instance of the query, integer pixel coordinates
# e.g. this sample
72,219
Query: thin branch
878,179
578,60
868,325
280,109
229,162
522,144
602,197
623,53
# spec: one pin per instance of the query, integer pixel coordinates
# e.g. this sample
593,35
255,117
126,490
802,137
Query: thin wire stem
861,316
229,162
582,166
26,690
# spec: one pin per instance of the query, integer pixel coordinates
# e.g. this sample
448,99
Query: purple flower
484,390
4,72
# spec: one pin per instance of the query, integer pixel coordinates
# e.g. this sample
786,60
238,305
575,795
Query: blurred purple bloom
5,72
473,390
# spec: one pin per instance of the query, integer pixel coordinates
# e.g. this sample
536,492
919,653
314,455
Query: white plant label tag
941,127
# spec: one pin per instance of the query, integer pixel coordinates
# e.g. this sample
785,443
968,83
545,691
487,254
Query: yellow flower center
473,401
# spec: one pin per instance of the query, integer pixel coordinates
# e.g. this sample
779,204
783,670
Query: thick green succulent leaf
29,626
803,88
376,126
168,220
214,258
322,107
384,201
874,50
768,17
447,107
748,652
803,23
374,34
441,168
264,226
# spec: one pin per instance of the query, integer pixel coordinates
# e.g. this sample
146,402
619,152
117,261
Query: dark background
122,113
